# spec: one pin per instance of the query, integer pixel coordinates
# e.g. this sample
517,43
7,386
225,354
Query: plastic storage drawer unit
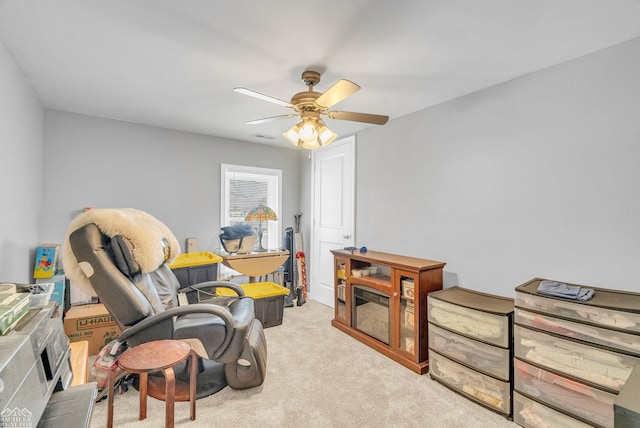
610,309
598,366
193,268
491,392
481,356
531,414
269,299
565,394
611,338
477,324
627,405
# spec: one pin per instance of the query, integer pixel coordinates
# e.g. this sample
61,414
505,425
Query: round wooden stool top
154,356
159,355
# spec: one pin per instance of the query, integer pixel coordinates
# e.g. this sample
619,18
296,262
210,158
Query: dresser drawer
573,397
531,414
628,343
484,389
583,311
601,367
487,358
479,325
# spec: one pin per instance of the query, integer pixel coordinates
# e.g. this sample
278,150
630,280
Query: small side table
159,355
255,264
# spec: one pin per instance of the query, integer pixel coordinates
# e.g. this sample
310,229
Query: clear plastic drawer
487,358
484,389
573,397
583,312
626,342
597,366
531,414
479,325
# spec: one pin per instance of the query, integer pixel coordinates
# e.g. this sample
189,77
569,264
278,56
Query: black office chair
223,331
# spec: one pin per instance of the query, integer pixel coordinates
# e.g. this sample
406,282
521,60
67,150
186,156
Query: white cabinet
470,340
573,358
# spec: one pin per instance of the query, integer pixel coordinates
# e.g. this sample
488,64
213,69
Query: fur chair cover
143,230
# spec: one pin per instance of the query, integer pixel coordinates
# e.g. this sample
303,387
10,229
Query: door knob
347,236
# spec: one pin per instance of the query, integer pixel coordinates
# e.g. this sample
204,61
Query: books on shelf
46,261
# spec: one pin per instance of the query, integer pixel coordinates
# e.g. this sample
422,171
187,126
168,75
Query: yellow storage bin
193,268
195,259
269,298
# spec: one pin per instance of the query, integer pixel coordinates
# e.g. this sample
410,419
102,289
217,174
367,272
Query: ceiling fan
311,132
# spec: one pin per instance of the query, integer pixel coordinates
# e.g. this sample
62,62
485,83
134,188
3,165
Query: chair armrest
221,311
209,286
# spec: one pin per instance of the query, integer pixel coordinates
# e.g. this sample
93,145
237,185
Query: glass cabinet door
341,289
407,322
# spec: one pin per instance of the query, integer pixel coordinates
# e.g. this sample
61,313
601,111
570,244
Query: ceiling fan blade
338,92
269,119
263,97
376,119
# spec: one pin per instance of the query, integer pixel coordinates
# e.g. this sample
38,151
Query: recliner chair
223,331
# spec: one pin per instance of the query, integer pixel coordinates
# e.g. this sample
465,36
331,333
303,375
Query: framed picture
46,261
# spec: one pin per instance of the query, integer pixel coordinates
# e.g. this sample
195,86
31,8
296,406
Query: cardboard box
92,323
13,306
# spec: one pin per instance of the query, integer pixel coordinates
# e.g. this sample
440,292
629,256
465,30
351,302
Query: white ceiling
174,63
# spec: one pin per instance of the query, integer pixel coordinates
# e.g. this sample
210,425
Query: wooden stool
160,355
79,365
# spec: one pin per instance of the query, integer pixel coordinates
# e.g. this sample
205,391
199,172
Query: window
246,187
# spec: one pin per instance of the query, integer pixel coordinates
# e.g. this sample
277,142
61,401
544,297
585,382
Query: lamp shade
261,213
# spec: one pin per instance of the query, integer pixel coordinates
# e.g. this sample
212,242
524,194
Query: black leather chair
224,331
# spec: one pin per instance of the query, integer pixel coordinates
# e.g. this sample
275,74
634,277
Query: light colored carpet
319,377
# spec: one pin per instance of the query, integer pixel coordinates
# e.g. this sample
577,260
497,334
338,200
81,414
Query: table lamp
261,213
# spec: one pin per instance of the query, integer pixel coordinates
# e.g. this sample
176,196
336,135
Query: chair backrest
128,294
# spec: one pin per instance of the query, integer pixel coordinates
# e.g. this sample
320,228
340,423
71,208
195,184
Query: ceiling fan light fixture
308,132
293,135
310,145
325,135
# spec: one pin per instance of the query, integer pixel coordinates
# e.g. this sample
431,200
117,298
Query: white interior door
333,213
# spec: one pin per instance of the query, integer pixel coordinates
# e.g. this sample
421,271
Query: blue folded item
558,289
236,232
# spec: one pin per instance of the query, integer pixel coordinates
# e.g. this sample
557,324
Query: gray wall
21,161
172,175
535,177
